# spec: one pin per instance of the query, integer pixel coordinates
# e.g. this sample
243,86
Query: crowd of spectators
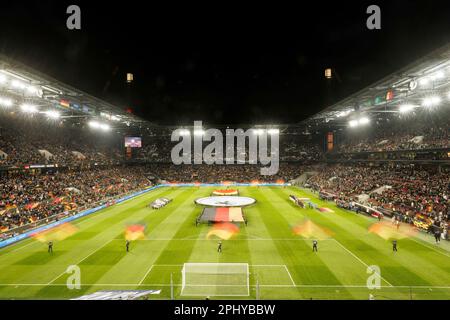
294,148
219,173
399,133
26,198
406,191
27,140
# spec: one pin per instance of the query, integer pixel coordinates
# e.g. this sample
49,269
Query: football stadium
99,202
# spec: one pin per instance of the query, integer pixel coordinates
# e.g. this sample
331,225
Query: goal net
215,279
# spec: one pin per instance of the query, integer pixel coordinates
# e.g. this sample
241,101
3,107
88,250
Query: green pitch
282,263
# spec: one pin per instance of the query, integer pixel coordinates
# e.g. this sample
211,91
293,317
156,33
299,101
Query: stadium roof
23,85
418,85
423,83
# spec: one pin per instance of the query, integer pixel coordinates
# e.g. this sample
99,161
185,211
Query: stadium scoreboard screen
133,142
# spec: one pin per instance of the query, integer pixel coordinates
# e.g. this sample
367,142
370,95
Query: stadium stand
398,164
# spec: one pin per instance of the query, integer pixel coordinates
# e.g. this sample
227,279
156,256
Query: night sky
221,62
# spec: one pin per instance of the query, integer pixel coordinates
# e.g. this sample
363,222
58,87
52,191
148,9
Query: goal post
215,279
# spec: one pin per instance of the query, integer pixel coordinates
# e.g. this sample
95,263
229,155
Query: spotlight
18,84
431,101
53,114
258,131
199,132
273,131
28,108
105,127
353,123
343,113
94,124
438,75
406,108
6,102
364,120
185,132
31,89
424,81
2,78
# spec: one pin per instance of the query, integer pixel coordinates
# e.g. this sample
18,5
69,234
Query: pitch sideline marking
252,285
430,247
90,254
357,258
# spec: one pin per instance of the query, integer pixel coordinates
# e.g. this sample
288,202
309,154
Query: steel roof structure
413,85
21,84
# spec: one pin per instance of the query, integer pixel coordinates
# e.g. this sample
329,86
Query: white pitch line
356,257
146,274
430,247
252,285
251,265
289,274
24,246
81,261
267,265
258,239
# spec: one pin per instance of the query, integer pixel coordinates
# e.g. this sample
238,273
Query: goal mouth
215,279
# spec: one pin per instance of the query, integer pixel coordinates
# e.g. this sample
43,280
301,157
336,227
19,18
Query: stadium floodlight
424,81
431,101
6,102
94,124
105,127
18,84
273,131
185,132
53,114
31,89
343,113
438,75
215,279
406,108
353,123
28,108
258,131
199,132
364,120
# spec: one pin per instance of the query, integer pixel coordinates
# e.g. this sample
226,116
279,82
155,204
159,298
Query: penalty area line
289,274
146,274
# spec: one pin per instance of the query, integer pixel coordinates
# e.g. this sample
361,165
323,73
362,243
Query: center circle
225,201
